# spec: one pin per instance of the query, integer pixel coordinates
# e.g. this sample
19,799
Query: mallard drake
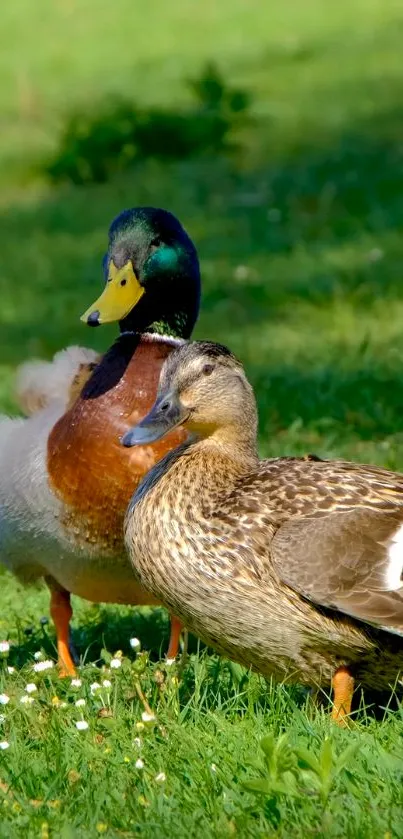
292,566
65,480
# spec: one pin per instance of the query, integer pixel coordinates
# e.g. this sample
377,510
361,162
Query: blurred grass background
298,230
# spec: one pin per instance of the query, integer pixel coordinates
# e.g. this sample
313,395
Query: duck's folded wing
38,383
351,561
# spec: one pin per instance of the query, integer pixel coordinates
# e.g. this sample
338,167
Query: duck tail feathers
39,383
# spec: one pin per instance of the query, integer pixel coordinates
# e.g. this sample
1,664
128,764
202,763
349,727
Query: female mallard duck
65,480
291,566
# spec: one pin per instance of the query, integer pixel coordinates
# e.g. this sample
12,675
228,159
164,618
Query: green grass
205,741
300,238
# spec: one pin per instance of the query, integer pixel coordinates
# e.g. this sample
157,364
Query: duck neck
178,310
209,466
177,328
237,452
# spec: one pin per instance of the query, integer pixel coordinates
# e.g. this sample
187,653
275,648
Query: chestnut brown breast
89,469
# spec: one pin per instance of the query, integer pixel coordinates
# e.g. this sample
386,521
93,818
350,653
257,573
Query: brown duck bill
165,415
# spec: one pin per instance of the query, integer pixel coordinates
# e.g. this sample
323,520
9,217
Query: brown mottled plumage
291,566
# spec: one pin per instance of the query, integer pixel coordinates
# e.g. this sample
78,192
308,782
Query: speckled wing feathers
341,561
333,524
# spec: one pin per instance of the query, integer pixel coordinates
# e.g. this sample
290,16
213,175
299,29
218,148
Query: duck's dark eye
208,369
155,244
123,282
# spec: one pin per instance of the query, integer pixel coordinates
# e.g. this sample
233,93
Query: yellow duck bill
121,294
165,415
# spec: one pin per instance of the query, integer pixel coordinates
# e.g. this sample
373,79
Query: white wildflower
80,703
38,655
82,725
76,683
170,661
139,764
4,745
213,767
106,683
30,687
26,700
2,718
4,699
116,663
137,742
147,718
4,647
135,644
160,778
43,665
94,687
10,670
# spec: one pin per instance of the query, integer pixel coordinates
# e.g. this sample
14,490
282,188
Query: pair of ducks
291,566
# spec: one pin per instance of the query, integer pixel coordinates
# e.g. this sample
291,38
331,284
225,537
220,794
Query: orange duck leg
61,612
174,638
343,689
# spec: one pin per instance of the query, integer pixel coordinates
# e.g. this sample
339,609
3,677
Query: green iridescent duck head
152,276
